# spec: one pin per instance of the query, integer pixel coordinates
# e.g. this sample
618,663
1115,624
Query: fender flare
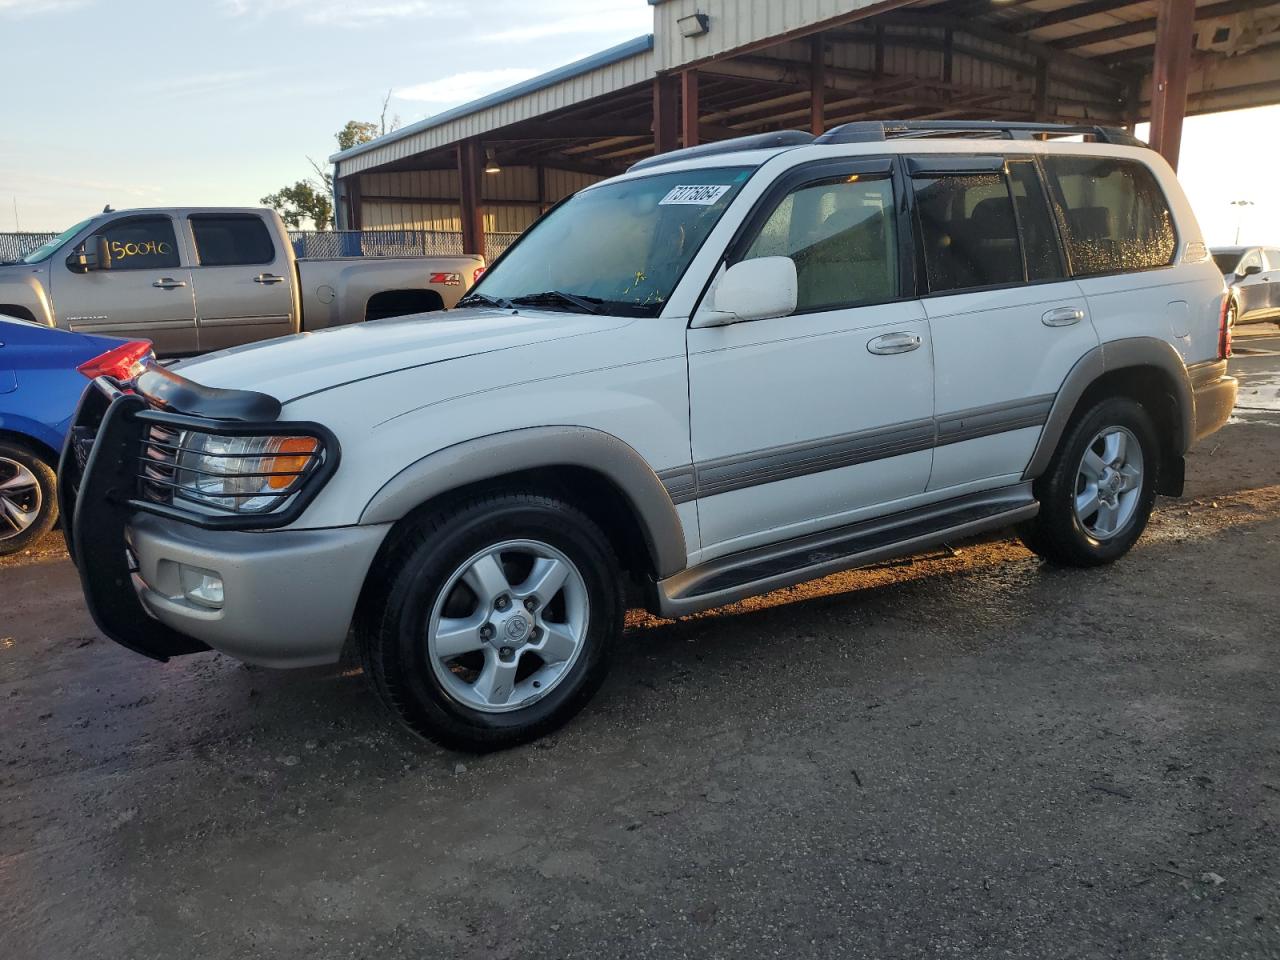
495,455
1102,359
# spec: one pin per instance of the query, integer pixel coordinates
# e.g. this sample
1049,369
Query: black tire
1233,313
43,497
1056,533
405,584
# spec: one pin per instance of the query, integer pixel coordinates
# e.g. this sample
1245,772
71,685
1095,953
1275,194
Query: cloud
32,8
523,21
461,87
342,12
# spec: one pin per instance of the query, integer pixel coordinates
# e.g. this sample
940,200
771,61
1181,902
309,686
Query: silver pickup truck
195,279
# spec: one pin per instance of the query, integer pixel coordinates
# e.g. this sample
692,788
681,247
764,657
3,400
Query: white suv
734,368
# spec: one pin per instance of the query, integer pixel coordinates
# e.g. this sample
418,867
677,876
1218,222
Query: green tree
310,199
302,201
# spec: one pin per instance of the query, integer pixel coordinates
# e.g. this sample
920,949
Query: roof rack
758,141
865,131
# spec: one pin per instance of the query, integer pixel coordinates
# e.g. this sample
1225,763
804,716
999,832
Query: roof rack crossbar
758,141
864,131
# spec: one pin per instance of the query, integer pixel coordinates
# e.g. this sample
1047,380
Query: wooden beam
471,209
1169,76
818,85
1042,87
666,121
1133,28
689,108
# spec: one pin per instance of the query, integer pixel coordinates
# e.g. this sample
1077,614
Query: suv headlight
253,474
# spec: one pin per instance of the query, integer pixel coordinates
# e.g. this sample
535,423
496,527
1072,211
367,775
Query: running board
759,570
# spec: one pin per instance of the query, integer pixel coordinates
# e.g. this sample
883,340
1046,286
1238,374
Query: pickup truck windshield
40,253
621,247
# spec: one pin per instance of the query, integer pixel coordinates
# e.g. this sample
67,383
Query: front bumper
288,596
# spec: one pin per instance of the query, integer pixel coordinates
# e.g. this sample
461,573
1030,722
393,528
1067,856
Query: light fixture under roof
491,161
694,25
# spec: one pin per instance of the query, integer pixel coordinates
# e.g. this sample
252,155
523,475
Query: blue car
42,374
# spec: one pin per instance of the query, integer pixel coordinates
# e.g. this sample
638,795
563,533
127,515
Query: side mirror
1251,270
759,289
93,254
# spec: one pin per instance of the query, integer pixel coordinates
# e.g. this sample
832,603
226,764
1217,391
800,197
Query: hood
305,363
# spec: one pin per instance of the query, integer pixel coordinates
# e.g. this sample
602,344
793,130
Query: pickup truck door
146,292
244,280
800,422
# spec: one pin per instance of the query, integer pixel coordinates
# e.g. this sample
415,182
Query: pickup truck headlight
243,474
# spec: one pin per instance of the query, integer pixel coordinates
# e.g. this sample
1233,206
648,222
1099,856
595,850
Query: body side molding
772,566
486,458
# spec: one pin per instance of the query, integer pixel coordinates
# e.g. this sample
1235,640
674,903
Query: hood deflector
173,392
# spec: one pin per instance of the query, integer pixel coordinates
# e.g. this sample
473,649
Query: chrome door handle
1062,317
268,278
891,343
168,283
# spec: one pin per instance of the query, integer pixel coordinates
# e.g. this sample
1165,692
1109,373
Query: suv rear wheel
28,498
1098,492
489,624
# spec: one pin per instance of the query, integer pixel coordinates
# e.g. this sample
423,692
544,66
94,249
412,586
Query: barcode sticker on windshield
701,194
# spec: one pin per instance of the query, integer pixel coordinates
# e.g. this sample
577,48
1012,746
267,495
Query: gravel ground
963,755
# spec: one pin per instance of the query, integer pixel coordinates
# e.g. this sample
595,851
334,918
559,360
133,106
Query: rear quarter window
1113,215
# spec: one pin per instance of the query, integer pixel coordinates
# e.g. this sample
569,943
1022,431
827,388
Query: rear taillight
1224,330
479,272
122,363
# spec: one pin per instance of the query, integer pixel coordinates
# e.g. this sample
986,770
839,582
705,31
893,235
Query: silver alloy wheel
1109,483
20,498
497,646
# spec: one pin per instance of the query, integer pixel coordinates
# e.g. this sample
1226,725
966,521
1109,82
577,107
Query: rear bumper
1215,397
288,595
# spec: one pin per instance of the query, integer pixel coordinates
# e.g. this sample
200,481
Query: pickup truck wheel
1098,492
495,620
28,498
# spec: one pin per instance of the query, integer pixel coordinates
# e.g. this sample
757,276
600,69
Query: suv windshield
40,253
618,248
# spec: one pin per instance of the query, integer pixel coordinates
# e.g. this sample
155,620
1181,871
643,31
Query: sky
208,102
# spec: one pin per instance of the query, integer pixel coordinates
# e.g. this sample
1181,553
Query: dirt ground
963,755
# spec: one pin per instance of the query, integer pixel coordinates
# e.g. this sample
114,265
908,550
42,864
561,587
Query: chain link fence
15,246
326,244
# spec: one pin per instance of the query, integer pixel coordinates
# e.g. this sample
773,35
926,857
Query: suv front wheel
1097,494
489,623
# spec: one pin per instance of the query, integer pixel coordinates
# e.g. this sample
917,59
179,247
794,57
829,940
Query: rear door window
1113,215
226,240
968,231
141,243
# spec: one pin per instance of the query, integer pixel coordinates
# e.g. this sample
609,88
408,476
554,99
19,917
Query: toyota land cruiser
733,368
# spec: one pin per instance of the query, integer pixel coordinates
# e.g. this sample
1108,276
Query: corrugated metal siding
736,23
391,199
560,183
596,83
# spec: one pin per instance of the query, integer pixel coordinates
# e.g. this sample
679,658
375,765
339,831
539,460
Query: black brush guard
96,480
98,489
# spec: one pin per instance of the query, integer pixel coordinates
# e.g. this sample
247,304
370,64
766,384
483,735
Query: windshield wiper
582,304
474,298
